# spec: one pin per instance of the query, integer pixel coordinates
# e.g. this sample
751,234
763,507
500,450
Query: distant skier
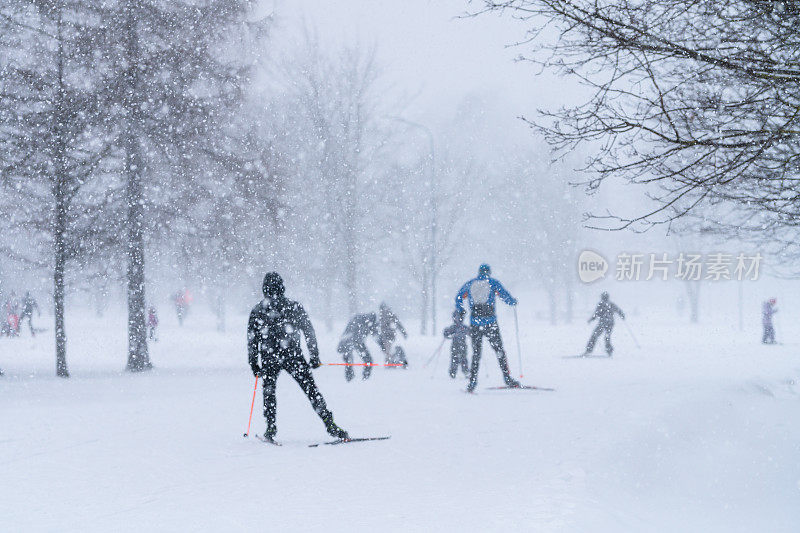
458,347
480,293
273,344
28,306
12,315
152,323
768,310
388,323
356,332
604,313
183,299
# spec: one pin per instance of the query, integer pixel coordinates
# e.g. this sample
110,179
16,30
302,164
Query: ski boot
349,374
511,382
335,431
269,435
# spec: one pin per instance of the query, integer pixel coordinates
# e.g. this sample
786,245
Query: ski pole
519,349
437,353
363,364
630,331
434,354
252,403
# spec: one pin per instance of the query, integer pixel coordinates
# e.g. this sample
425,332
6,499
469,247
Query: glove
257,372
315,362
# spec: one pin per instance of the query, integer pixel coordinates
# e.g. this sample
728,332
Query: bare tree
174,80
51,132
697,101
337,135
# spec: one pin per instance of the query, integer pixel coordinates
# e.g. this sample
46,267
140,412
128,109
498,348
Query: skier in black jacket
458,348
29,304
604,313
273,344
356,332
388,323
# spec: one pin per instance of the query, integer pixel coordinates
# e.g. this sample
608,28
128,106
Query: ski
266,441
526,387
586,357
346,441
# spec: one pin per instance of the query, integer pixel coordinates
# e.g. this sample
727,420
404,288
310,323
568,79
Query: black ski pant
769,334
347,347
29,316
458,357
298,368
399,355
599,330
492,333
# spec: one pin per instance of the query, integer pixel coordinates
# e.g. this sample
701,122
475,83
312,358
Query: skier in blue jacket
480,294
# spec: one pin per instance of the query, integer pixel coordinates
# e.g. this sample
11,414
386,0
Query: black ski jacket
273,332
604,313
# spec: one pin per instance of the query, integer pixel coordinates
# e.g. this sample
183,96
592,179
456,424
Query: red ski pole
363,364
255,387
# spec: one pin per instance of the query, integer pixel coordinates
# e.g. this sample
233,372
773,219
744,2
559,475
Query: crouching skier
480,294
388,324
273,336
356,332
458,348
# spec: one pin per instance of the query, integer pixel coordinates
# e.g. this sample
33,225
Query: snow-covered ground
699,430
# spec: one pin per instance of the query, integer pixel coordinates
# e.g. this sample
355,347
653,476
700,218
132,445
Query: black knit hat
273,285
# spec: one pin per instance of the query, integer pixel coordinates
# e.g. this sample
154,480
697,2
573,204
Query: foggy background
438,130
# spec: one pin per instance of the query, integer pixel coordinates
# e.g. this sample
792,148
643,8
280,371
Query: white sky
426,49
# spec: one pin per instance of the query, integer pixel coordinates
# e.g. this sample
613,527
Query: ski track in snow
697,431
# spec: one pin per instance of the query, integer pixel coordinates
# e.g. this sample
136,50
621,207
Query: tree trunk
59,232
570,301
423,319
328,298
693,290
220,312
553,305
60,192
138,356
433,301
351,245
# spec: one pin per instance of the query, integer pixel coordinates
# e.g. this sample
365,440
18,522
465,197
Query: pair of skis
509,387
331,443
524,387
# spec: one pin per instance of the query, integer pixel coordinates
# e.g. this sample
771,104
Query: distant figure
480,294
387,324
28,305
768,310
183,299
273,344
458,347
11,308
356,332
152,323
604,313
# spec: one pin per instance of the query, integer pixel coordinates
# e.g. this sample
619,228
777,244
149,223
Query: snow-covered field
697,431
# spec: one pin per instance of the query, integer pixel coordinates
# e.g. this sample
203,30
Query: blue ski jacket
480,293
